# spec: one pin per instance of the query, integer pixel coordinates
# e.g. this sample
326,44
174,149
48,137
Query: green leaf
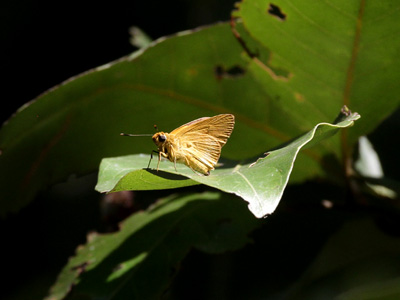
317,56
116,174
138,261
370,173
261,184
368,163
139,38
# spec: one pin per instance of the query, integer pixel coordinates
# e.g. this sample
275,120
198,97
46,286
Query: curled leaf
260,183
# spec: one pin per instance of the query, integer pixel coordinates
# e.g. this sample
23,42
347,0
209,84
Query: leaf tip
346,114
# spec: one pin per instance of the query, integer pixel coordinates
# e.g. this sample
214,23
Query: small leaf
139,38
382,187
370,172
368,163
261,183
138,261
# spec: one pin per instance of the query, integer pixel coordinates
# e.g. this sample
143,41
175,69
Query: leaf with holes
313,56
261,183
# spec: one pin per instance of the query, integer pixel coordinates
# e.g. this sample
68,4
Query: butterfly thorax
170,146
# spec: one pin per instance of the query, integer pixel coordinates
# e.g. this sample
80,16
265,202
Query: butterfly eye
162,138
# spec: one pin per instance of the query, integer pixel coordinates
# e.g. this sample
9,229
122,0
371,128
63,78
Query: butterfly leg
159,157
151,157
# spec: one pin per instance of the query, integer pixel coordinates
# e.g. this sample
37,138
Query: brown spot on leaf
299,97
232,72
192,72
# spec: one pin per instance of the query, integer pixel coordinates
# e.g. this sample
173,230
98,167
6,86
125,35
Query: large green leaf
138,261
317,55
260,183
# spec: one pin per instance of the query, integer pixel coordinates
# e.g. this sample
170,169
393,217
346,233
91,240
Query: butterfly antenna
128,134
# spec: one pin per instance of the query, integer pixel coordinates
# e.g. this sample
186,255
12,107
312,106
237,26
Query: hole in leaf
233,72
276,12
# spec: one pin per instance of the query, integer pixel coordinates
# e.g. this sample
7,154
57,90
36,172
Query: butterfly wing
205,150
199,142
219,127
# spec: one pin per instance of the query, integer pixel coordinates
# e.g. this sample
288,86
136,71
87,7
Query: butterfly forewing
220,127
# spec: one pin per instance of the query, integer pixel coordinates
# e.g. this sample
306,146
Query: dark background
47,42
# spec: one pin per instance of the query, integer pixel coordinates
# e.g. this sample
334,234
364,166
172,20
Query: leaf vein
251,187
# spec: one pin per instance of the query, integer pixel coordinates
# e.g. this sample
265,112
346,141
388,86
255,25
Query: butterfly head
159,138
